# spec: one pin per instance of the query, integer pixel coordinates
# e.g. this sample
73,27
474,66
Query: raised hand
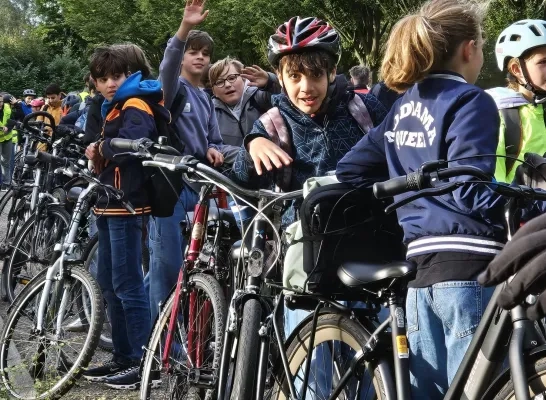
255,76
193,12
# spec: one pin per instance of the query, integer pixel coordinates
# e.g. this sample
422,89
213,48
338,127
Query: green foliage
50,40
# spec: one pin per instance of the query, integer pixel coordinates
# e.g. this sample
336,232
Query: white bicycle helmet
519,38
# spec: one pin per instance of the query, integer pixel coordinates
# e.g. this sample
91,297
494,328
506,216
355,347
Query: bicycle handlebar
26,121
427,182
190,164
50,159
142,145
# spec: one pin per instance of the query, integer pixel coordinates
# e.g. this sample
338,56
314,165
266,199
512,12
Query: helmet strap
539,95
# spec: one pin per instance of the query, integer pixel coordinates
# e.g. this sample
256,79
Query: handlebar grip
50,159
398,185
125,144
168,158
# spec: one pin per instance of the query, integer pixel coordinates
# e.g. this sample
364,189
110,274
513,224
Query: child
54,107
53,102
313,106
436,55
127,112
28,96
186,56
521,52
6,144
241,95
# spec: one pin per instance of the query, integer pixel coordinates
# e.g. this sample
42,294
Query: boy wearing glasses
241,95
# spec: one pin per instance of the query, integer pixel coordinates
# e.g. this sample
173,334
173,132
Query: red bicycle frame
196,328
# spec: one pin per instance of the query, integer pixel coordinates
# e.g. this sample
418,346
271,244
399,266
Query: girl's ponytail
428,39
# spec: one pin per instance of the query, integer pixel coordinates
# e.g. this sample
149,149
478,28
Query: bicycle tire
30,296
6,237
536,381
151,360
105,341
329,327
8,232
10,270
244,381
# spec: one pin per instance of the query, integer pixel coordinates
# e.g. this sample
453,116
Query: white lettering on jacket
413,139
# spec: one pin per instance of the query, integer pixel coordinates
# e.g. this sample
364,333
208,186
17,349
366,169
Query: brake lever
437,191
139,154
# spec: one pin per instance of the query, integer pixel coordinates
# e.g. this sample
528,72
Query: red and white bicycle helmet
299,34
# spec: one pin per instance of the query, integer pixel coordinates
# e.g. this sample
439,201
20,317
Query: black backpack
512,135
169,129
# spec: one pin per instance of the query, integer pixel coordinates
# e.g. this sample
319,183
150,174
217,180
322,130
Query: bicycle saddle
356,274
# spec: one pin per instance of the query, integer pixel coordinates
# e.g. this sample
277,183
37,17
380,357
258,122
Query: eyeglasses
230,78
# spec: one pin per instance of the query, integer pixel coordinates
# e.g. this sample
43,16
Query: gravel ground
84,390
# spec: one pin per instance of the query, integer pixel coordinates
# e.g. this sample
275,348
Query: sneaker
128,379
98,374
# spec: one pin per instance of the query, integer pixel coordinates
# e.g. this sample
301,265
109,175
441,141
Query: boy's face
54,99
306,91
229,86
195,61
28,99
108,85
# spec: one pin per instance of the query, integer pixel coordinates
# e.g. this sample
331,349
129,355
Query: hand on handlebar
524,256
264,151
92,151
215,158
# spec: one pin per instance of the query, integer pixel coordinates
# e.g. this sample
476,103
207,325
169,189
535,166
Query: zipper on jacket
325,134
117,178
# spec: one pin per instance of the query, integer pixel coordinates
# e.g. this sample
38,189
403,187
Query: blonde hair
428,39
512,80
218,67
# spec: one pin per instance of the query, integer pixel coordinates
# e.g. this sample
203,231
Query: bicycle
46,213
51,357
480,375
235,349
189,328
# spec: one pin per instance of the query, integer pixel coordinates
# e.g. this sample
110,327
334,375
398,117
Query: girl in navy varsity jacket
435,56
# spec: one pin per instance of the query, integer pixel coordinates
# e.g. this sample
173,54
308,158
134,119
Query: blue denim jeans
441,320
167,250
119,274
322,369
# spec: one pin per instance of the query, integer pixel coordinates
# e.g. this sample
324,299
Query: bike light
255,263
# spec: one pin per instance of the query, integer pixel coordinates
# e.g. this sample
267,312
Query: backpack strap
278,133
360,113
512,135
179,102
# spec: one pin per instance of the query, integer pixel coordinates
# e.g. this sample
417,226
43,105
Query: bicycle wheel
33,248
248,342
536,381
337,339
10,221
161,382
90,257
45,364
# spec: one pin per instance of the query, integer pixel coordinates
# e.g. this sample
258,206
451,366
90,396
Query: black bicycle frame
255,269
